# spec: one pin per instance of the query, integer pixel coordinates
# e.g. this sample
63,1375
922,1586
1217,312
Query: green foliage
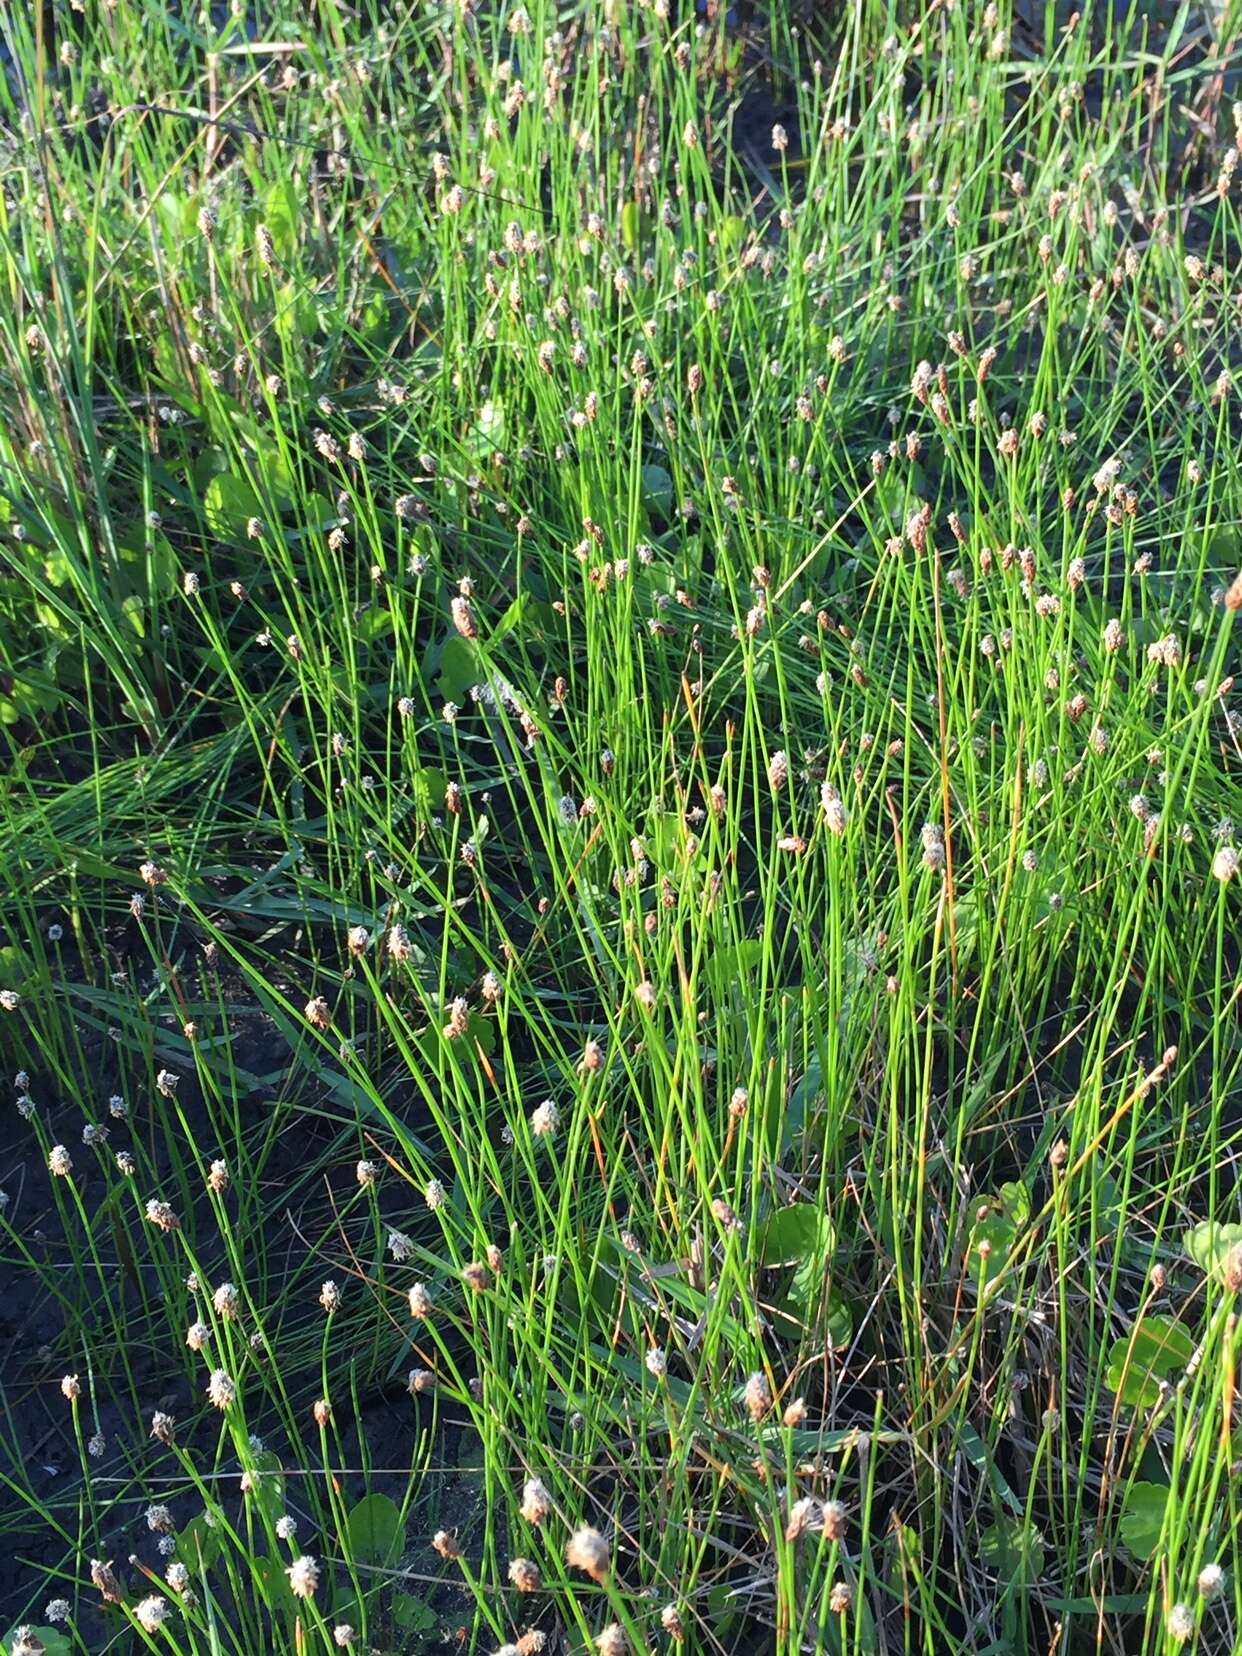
1153,1355
695,1130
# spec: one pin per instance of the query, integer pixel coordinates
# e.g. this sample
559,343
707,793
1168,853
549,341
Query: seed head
834,1520
834,810
420,1381
445,1544
103,1579
671,1622
588,1551
778,770
1211,1580
163,1428
71,1387
805,1517
525,1576
162,1216
611,1640
318,1012
1180,1624
218,1177
841,1598
59,1161
544,1119
476,1277
458,1019
226,1300
757,1395
303,1576
536,1502
221,1389
1225,864
152,1612
724,1215
330,1297
463,617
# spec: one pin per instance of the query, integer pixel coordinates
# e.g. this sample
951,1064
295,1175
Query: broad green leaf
1210,1245
1000,1233
1158,1350
412,1615
1143,1517
657,490
1013,1549
430,788
459,669
729,969
800,1236
198,1544
376,1530
229,502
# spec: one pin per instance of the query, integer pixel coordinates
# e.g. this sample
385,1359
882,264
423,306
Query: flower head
536,1502
221,1389
588,1551
152,1612
757,1395
303,1576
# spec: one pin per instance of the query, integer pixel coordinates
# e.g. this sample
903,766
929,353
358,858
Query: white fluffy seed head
805,1517
1211,1579
525,1575
303,1576
757,1395
536,1502
544,1119
226,1300
1181,1623
221,1389
588,1551
152,1612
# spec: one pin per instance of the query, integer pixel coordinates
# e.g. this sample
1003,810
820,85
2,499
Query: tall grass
622,943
